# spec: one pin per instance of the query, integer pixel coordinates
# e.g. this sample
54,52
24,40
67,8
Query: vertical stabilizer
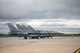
19,27
30,28
24,27
12,28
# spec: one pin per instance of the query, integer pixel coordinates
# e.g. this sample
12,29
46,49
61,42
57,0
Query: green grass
6,35
55,35
66,35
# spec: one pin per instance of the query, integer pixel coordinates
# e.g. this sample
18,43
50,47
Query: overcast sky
56,15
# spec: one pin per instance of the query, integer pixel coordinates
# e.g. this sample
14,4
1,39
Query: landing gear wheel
25,37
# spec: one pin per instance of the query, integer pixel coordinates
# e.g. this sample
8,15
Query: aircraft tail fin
19,27
13,29
30,28
24,27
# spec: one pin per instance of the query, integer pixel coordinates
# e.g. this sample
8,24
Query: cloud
47,24
43,13
35,9
60,23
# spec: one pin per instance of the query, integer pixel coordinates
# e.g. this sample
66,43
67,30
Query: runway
54,45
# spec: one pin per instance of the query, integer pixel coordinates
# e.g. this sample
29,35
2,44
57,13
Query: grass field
54,35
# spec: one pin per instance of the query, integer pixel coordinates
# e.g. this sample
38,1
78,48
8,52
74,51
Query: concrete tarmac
54,45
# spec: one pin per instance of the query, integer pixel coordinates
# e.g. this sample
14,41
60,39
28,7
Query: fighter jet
14,30
31,33
28,32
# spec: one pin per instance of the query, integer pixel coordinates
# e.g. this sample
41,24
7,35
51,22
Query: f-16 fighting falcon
28,31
